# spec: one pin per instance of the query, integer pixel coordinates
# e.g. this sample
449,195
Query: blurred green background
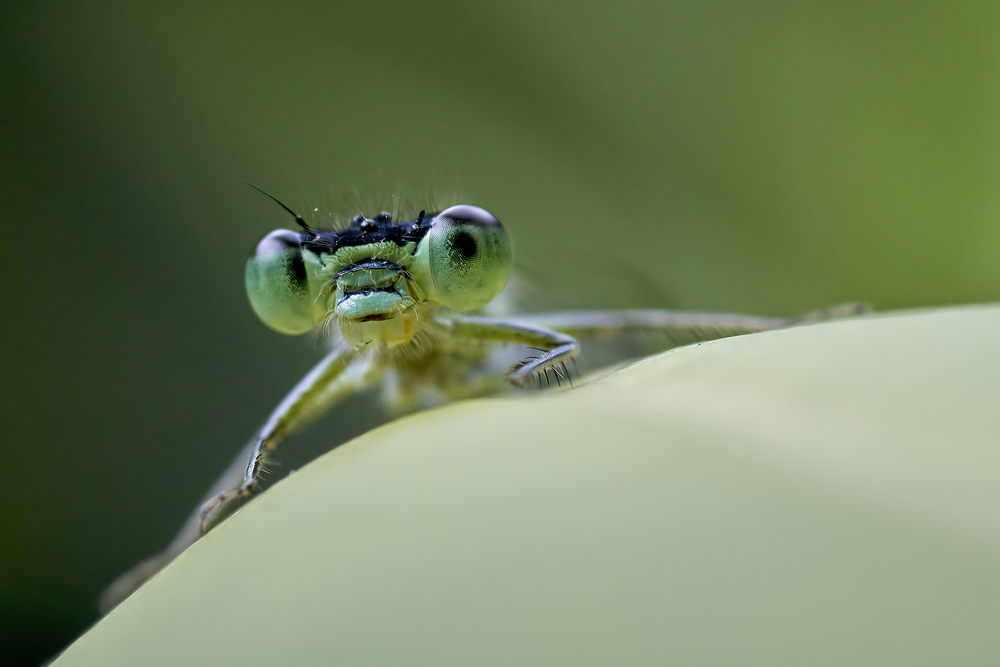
768,158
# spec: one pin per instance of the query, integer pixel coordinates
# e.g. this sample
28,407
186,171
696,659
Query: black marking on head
464,244
366,291
364,232
370,264
416,232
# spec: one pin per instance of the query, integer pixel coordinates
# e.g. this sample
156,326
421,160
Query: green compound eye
465,259
278,283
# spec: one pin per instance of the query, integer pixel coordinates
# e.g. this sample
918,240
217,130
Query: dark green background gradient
769,159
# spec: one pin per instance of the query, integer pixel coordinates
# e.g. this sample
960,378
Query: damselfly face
375,277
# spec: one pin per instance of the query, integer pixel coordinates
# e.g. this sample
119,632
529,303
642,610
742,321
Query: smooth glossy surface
819,495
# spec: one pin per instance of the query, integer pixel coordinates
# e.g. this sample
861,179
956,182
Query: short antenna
298,218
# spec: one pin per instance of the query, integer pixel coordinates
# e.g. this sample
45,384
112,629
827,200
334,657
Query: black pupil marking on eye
298,267
464,244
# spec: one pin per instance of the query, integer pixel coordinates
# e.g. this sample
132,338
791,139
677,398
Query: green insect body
393,296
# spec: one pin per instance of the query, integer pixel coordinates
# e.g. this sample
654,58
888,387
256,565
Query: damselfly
394,297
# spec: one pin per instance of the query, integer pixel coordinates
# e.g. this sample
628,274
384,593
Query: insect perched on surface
392,295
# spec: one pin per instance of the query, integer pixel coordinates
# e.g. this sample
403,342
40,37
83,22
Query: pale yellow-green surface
827,495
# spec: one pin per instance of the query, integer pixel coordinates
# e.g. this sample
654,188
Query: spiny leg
555,334
681,328
560,375
338,375
555,348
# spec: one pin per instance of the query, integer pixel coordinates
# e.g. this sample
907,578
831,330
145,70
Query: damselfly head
373,277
